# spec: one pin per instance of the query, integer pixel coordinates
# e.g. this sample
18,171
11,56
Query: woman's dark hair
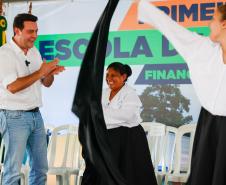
222,10
121,68
21,18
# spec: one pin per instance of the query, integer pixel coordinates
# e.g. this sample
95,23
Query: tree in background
165,104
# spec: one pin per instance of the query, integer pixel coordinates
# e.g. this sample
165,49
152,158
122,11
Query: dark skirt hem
208,165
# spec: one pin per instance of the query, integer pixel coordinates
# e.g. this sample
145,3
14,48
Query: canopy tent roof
11,1
24,1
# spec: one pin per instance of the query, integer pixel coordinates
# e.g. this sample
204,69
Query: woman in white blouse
128,143
206,59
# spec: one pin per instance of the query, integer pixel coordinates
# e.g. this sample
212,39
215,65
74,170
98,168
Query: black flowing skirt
208,165
130,149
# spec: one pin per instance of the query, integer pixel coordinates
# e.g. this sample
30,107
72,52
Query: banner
144,47
160,75
192,13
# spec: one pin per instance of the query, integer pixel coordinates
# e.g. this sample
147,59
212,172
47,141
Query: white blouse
204,57
123,109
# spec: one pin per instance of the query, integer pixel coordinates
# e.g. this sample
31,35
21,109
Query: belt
36,109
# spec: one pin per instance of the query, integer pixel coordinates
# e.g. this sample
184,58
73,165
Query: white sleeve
128,112
187,43
8,72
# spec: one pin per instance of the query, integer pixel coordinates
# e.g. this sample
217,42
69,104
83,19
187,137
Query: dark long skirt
208,165
130,148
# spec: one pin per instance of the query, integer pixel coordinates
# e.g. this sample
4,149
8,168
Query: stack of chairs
64,154
171,150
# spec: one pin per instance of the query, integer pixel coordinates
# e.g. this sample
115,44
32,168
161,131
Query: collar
16,48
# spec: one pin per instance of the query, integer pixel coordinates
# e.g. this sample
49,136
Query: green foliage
165,104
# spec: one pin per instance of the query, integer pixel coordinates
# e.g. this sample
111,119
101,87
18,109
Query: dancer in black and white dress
206,59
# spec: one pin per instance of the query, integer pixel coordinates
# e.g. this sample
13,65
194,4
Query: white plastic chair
155,136
168,154
1,156
63,153
81,170
180,174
